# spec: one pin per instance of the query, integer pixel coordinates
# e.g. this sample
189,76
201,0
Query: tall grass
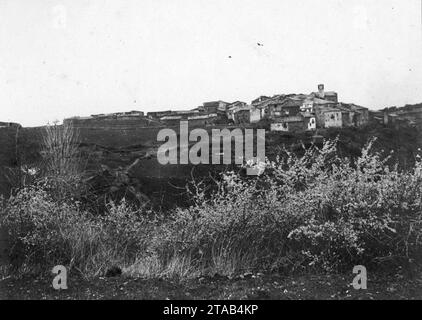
62,163
60,150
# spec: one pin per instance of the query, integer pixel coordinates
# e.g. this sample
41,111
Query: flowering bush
45,232
38,226
127,228
311,210
358,212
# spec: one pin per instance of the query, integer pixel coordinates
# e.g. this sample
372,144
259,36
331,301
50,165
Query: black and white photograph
210,155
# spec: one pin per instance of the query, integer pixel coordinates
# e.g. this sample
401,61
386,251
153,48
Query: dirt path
249,287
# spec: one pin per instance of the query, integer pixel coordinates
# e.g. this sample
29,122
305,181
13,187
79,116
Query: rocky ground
325,287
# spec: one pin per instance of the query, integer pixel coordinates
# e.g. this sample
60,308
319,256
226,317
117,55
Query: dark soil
267,287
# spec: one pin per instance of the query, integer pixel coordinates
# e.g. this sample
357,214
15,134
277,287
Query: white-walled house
255,115
309,121
288,124
333,118
280,126
307,106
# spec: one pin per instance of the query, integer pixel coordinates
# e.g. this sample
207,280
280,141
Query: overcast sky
80,57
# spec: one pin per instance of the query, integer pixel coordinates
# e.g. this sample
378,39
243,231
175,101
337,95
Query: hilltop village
282,112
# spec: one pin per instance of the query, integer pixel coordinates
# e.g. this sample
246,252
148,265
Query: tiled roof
260,98
307,114
205,116
327,93
245,108
322,101
236,103
264,103
171,118
298,118
331,109
214,102
185,111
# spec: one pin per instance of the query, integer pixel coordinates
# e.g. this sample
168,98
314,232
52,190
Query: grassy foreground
307,214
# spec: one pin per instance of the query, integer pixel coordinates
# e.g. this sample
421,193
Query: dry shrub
44,232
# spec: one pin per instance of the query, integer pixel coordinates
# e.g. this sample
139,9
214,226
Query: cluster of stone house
116,120
284,112
194,117
407,115
300,112
291,112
